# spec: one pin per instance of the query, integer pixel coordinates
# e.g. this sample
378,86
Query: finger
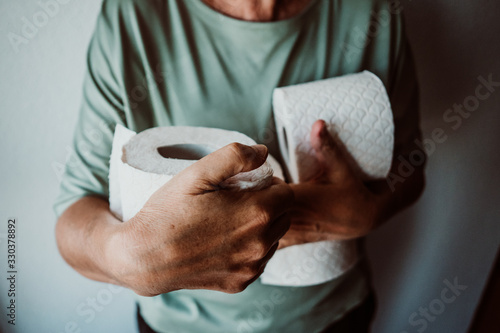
274,200
263,262
295,237
292,237
304,225
330,153
208,172
269,255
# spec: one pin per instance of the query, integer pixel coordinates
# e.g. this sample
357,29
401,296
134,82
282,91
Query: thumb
208,172
330,153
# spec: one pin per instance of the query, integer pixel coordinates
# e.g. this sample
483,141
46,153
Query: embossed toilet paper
141,163
357,111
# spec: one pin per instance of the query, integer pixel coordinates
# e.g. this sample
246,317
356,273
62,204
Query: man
194,254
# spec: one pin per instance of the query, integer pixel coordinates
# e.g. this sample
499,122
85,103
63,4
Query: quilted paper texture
356,109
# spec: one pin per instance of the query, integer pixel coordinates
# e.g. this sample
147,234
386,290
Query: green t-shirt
172,62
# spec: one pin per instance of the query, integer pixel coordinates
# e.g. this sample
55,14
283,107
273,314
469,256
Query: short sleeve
87,165
403,91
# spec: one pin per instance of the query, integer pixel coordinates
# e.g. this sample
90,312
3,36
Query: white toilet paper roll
141,163
357,111
355,107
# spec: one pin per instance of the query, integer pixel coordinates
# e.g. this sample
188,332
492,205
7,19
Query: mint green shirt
171,62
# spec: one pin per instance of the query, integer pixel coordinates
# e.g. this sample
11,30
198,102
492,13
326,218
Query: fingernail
261,151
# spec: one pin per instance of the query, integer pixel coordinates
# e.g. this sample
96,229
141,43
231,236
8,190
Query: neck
258,10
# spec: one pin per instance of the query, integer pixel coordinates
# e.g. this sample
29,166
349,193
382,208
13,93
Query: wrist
133,258
114,253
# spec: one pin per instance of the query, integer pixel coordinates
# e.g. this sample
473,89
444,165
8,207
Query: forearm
84,235
186,236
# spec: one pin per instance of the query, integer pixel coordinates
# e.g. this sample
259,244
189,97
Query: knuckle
242,277
238,151
260,249
235,286
243,272
235,147
244,153
262,216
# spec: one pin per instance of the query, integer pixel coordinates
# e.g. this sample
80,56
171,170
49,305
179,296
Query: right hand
193,235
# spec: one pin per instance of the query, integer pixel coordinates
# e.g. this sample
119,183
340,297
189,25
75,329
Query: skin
258,10
191,235
337,204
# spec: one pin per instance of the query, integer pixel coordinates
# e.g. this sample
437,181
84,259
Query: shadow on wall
456,50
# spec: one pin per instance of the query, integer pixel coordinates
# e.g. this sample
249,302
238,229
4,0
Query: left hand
334,205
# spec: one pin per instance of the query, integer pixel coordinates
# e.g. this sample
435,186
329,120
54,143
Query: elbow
60,237
65,238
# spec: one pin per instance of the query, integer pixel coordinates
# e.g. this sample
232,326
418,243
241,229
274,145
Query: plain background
452,233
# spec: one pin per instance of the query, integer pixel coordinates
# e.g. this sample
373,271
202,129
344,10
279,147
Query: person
193,254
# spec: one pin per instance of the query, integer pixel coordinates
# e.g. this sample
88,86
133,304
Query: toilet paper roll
357,112
310,264
141,163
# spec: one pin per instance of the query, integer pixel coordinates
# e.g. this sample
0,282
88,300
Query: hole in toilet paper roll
284,148
186,151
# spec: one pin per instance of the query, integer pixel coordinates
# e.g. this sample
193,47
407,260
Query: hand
336,204
193,235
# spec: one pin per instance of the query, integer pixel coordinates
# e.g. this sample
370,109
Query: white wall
40,89
452,232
